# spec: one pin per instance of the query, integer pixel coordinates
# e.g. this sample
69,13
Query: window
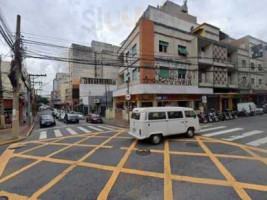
164,72
260,81
190,114
252,81
182,50
244,80
127,56
135,116
252,66
134,74
175,115
134,50
244,63
181,73
259,67
163,46
157,115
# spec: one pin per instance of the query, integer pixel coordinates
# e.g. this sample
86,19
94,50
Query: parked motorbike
213,116
202,118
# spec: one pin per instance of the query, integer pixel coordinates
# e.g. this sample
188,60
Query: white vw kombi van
156,122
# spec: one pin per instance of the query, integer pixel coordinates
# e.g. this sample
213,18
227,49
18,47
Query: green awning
182,50
163,43
164,73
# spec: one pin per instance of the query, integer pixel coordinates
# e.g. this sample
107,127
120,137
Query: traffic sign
128,97
204,99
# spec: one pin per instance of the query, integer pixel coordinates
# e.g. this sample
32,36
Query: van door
191,120
157,123
176,122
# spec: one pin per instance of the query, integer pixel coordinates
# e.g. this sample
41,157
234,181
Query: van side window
136,116
190,114
156,115
175,115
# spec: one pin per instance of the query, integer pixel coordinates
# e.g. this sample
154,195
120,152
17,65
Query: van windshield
135,116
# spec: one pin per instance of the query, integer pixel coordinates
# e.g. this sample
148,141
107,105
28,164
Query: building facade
56,95
170,59
93,73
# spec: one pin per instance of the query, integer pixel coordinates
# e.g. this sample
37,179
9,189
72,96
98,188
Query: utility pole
128,91
2,116
14,78
106,95
33,82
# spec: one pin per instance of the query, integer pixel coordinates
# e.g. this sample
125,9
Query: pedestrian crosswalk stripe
110,129
58,133
109,126
71,131
84,130
94,128
206,126
244,135
223,132
43,135
258,142
211,129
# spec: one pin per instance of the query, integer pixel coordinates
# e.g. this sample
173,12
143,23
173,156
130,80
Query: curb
20,138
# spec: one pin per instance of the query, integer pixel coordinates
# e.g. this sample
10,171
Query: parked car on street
80,115
247,109
156,122
264,108
94,118
47,120
259,111
71,118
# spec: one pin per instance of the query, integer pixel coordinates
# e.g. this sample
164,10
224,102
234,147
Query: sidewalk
6,134
117,122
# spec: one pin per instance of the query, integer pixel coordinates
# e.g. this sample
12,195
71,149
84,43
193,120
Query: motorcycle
202,118
213,116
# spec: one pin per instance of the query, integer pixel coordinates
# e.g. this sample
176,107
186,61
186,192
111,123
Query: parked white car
248,107
156,122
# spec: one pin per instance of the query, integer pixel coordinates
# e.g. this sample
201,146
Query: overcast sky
79,21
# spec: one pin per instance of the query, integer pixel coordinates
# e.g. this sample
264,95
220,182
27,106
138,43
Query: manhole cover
192,144
3,198
143,152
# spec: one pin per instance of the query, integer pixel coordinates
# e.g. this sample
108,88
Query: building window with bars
244,63
164,72
163,46
182,50
181,73
134,50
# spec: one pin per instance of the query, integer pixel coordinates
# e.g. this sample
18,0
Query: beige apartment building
170,59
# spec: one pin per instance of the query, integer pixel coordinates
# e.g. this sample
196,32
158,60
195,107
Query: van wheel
190,133
156,139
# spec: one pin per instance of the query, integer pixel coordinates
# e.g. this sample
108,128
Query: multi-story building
170,59
25,111
93,73
56,97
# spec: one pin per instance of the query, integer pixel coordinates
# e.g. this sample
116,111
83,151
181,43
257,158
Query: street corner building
170,59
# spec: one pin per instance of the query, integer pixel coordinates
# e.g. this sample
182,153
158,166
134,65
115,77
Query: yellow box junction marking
167,175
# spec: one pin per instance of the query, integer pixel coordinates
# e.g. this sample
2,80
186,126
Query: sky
63,22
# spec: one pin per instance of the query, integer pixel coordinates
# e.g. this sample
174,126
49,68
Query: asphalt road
109,164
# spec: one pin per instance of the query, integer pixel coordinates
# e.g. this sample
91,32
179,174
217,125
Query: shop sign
204,99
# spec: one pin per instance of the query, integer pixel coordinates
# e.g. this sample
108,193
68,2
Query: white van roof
161,109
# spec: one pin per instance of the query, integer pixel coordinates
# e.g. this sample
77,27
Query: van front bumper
137,136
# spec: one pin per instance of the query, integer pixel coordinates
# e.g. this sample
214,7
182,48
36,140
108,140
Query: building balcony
205,84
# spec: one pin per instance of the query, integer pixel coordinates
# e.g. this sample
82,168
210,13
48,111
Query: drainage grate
143,152
3,198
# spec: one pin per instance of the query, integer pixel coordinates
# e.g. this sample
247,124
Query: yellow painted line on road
4,158
167,172
69,169
105,191
12,196
19,171
254,155
201,180
254,187
240,191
